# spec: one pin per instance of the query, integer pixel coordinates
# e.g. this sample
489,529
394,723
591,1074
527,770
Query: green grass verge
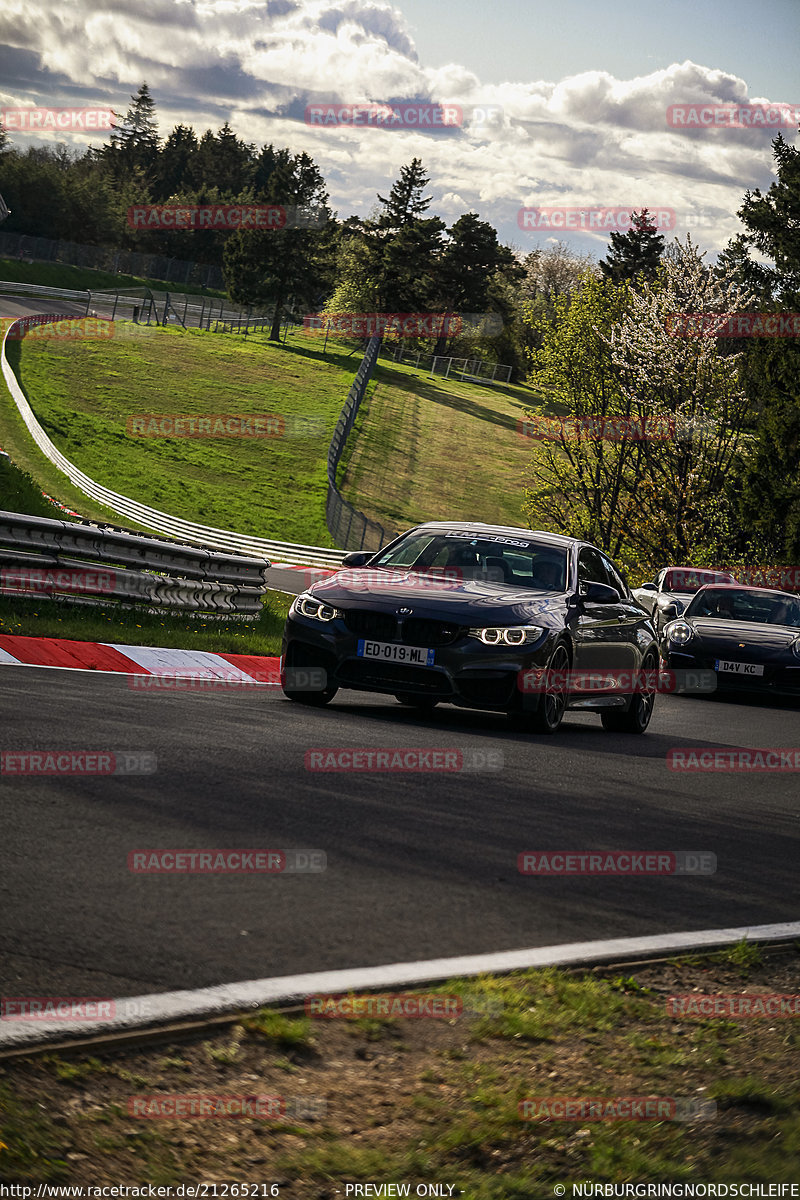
84,392
438,449
415,1102
30,463
20,493
90,623
60,275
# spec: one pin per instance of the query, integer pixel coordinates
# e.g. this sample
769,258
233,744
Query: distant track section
153,518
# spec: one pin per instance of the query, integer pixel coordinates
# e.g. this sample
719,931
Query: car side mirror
600,593
648,587
672,610
356,558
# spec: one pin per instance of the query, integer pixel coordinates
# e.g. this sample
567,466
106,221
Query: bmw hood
465,602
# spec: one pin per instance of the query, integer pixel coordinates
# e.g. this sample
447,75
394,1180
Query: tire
423,703
637,716
553,704
312,699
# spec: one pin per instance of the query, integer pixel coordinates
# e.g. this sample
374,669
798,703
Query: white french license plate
417,656
738,668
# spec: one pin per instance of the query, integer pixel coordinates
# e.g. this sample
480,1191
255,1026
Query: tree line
591,336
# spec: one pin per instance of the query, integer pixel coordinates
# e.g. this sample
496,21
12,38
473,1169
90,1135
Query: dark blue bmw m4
482,616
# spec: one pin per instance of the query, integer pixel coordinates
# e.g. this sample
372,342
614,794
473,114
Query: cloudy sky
562,103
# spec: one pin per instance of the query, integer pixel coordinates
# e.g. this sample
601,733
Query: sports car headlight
679,632
308,606
507,635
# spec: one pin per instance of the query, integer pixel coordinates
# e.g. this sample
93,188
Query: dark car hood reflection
481,601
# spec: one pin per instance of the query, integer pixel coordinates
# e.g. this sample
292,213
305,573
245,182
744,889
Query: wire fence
469,370
112,259
348,527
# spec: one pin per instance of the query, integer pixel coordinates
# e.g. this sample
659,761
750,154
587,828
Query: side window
590,568
614,577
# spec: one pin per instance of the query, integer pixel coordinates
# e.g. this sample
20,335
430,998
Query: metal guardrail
347,526
91,565
142,514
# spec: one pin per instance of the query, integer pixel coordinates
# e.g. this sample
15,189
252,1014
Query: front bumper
778,678
465,672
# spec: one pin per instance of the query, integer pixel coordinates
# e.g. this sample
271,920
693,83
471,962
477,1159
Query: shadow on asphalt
579,730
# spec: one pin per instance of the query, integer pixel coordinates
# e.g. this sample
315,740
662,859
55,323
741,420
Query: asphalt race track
418,865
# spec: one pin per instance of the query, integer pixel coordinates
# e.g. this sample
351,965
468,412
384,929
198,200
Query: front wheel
553,703
637,717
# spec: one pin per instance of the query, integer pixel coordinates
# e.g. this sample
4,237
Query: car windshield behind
494,558
739,604
686,581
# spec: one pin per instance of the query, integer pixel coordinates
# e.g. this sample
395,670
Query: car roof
553,539
698,570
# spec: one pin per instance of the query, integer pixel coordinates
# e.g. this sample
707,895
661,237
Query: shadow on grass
470,408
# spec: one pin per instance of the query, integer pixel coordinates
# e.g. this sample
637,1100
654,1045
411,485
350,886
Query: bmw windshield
495,558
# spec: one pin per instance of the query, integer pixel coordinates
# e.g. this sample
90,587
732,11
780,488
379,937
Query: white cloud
589,139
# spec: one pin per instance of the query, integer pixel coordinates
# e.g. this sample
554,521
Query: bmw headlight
679,632
507,635
308,606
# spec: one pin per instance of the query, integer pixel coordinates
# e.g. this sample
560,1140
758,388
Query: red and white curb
201,1004
107,657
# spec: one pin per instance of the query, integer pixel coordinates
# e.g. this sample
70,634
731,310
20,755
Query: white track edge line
145,1012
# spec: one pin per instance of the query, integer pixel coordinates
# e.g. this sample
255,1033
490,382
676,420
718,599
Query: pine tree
223,162
272,267
174,170
134,143
405,203
635,254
